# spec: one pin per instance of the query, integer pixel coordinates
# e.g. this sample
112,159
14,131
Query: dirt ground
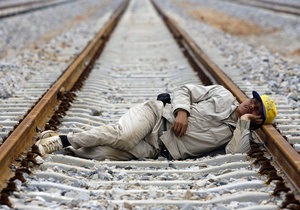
247,31
228,24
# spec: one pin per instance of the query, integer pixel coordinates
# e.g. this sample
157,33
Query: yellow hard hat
269,107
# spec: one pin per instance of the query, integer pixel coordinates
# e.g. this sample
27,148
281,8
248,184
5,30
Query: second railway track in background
136,64
11,8
283,7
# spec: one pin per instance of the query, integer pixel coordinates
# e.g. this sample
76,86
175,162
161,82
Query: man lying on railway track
199,119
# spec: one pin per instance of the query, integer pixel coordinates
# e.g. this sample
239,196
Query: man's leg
133,127
100,153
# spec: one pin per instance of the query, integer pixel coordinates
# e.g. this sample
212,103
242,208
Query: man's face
250,106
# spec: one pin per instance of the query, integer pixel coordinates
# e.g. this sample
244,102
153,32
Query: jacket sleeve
240,140
184,96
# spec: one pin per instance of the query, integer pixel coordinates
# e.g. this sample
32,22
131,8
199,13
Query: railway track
288,8
11,8
119,79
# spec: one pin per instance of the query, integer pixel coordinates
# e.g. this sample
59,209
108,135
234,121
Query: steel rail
25,7
28,3
15,5
22,138
284,155
270,5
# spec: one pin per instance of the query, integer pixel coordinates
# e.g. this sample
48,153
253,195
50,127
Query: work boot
49,145
47,134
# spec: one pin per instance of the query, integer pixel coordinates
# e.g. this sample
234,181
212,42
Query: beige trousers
134,136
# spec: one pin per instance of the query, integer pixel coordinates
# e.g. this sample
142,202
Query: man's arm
182,99
180,123
184,96
240,140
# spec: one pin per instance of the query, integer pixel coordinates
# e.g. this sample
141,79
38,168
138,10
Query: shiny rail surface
124,77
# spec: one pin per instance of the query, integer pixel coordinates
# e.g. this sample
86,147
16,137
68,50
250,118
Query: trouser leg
132,127
100,153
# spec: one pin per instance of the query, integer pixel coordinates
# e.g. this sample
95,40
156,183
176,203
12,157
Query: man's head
269,107
262,106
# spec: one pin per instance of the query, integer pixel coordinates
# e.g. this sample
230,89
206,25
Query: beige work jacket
209,123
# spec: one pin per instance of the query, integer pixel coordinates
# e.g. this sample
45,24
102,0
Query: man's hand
180,123
256,119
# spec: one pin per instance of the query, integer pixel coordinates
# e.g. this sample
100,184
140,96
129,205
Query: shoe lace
53,144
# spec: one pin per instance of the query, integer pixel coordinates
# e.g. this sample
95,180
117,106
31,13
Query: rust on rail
21,139
284,155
